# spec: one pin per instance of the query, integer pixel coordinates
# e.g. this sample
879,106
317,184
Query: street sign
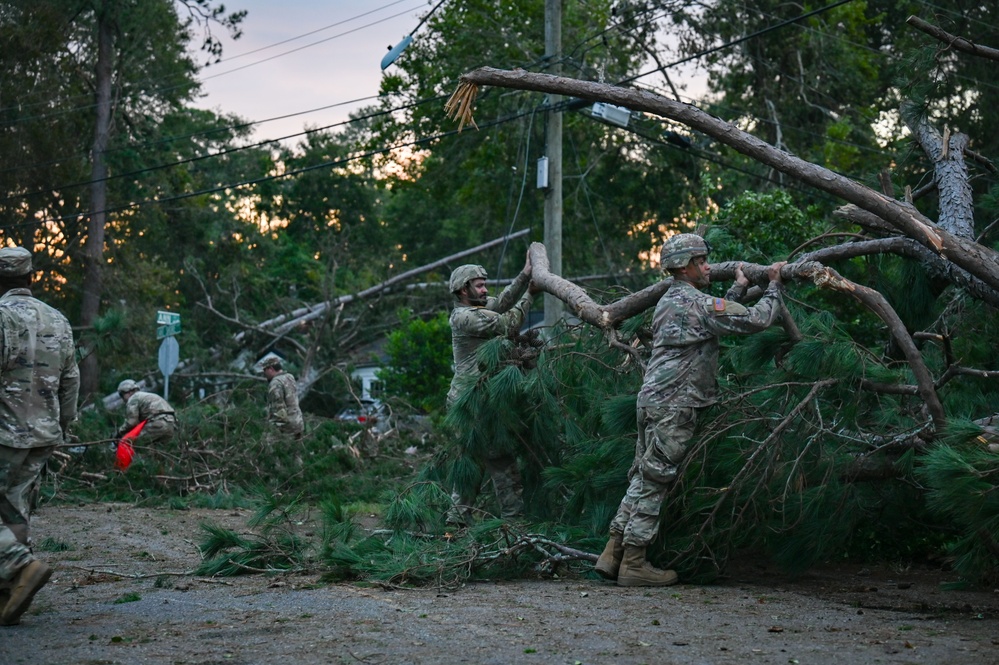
164,318
169,358
168,330
169,355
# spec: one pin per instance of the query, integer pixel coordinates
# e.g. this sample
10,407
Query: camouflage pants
19,469
276,438
505,476
283,450
663,437
157,430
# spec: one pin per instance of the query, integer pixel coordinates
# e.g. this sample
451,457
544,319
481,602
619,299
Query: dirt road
120,595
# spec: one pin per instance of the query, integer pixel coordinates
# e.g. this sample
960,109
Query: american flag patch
719,304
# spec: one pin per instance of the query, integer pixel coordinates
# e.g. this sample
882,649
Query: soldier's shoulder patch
719,304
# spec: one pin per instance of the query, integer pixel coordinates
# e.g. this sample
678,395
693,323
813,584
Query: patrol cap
14,262
462,275
271,361
127,386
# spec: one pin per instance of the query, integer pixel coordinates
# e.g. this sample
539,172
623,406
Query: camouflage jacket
146,406
39,379
471,326
283,411
685,329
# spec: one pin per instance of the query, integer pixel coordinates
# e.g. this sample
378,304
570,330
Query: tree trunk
94,249
950,173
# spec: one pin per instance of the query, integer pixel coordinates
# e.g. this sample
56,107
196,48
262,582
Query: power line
279,176
735,42
197,83
346,160
221,153
302,48
219,129
205,132
307,34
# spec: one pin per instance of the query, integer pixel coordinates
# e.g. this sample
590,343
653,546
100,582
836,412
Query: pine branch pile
419,550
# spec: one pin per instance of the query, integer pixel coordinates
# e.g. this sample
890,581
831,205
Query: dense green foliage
418,365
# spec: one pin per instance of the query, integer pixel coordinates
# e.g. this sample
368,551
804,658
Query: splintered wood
460,104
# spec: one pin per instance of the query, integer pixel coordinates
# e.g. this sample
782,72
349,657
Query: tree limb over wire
981,262
953,41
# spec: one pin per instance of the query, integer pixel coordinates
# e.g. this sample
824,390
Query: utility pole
553,139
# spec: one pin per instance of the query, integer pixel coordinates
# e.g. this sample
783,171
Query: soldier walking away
161,420
477,318
680,382
283,412
39,386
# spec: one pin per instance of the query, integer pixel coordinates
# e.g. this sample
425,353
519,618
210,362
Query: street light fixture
396,51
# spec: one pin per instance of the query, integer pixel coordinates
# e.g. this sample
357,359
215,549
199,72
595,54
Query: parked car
371,413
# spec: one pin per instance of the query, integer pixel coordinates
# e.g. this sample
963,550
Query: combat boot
610,559
23,588
636,571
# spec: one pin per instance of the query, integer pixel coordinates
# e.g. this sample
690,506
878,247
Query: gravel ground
121,595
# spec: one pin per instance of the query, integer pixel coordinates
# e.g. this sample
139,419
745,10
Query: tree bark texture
950,172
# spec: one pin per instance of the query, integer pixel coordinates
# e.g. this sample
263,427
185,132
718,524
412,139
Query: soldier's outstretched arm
511,295
731,318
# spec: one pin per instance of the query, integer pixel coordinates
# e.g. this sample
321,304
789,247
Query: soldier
161,420
39,385
283,412
477,318
680,382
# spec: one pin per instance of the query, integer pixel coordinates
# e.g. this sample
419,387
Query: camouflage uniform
681,380
283,411
161,421
471,327
39,383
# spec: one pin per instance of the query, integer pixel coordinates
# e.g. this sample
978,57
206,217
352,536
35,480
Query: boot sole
605,573
637,581
19,602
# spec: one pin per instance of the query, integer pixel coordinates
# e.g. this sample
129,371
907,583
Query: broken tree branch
281,324
936,266
980,261
953,41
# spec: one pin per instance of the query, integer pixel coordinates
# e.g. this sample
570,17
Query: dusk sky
295,71
301,55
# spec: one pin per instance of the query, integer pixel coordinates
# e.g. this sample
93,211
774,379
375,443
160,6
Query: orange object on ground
125,452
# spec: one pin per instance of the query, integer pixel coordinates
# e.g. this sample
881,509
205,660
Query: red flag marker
125,452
